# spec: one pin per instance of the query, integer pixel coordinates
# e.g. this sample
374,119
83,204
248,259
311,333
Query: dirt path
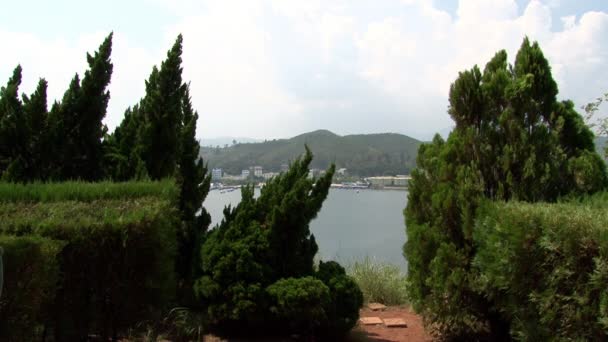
414,331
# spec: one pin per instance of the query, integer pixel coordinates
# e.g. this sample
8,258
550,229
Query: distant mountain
222,141
361,154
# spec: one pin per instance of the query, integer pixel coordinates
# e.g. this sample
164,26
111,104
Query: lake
350,225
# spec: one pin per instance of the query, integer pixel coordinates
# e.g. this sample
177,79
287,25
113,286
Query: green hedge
30,277
545,266
117,266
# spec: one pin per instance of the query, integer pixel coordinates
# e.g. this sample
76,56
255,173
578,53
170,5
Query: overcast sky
277,68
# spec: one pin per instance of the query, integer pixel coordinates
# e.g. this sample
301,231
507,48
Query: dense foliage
32,270
156,140
513,141
116,259
546,267
256,262
361,154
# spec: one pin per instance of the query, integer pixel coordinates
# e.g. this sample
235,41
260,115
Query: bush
299,303
30,278
346,299
380,282
546,268
117,265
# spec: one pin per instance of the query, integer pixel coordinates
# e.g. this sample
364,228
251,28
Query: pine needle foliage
263,251
513,140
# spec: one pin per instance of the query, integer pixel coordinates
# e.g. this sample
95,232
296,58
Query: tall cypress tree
194,182
93,104
31,140
161,109
11,119
77,121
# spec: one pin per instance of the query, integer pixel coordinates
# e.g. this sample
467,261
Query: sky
277,68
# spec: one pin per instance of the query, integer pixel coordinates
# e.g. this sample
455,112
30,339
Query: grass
85,192
24,217
380,282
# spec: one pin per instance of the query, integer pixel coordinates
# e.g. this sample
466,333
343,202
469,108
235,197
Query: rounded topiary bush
346,299
300,303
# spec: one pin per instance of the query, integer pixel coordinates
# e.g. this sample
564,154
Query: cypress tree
77,121
63,138
194,182
11,121
162,118
31,142
122,149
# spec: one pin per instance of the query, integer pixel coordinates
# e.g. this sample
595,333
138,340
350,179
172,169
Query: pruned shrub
30,275
546,268
117,265
346,299
300,303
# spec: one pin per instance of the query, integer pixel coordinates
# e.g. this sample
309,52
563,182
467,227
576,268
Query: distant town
258,176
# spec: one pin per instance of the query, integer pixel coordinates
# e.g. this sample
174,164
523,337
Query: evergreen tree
122,149
194,182
31,141
76,122
162,118
263,252
11,119
513,141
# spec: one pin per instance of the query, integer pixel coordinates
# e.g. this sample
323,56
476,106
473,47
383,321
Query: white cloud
275,68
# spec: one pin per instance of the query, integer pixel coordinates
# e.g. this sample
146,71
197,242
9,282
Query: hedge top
86,192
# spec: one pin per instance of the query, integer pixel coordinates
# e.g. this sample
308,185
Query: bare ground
414,332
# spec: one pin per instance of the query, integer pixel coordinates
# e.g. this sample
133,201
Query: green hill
361,154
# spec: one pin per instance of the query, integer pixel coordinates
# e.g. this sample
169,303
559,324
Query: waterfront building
216,174
383,181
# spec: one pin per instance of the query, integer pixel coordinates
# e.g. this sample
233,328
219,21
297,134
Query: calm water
350,226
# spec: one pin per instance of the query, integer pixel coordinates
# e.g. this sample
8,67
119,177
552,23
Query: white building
269,175
400,181
245,174
258,171
216,174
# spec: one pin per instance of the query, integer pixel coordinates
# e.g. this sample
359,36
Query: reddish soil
414,332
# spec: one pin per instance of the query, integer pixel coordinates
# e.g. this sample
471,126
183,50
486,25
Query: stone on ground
370,320
376,306
395,323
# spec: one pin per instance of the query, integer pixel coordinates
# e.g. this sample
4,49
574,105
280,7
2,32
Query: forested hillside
361,154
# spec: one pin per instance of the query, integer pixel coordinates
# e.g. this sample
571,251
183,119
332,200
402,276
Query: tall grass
379,281
85,192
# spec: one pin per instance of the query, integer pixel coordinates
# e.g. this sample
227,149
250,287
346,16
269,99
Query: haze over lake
350,225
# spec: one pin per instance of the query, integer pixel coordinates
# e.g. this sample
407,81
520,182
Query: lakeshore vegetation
105,233
491,254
